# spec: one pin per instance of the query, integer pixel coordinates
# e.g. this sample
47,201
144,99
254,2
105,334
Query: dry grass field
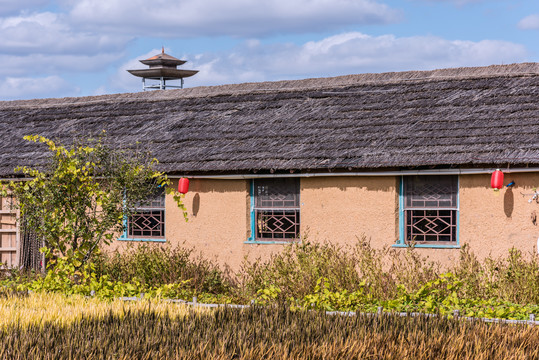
53,326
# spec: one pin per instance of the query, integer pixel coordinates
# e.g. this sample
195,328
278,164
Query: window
275,209
148,223
429,210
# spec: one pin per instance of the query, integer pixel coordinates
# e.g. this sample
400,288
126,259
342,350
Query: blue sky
84,47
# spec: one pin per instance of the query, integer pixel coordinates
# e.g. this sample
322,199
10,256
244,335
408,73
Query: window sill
262,242
141,239
427,246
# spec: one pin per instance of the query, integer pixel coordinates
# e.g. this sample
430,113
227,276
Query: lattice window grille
430,208
277,215
148,222
431,225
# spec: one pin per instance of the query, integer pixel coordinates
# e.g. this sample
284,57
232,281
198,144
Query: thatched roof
444,118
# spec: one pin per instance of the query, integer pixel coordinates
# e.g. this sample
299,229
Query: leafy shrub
323,298
77,200
156,265
409,270
514,278
305,275
296,270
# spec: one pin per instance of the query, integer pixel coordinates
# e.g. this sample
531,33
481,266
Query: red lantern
183,185
496,182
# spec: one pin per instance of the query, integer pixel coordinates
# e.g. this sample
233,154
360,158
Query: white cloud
39,64
41,44
28,88
350,53
530,22
48,33
347,53
8,7
242,18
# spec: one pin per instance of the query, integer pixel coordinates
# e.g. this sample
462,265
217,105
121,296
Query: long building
398,158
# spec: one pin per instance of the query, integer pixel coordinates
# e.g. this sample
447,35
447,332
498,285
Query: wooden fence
10,237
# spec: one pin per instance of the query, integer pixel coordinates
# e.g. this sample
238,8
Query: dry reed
58,309
141,331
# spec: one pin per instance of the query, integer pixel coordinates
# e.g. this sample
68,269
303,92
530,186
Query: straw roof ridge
484,72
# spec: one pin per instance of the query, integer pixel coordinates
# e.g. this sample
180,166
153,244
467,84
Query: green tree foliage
82,195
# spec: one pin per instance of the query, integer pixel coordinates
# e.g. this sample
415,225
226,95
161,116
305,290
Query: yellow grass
39,308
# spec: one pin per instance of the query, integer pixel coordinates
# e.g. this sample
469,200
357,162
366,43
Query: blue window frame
274,211
429,211
148,222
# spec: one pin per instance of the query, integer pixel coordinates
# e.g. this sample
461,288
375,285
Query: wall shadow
196,204
508,202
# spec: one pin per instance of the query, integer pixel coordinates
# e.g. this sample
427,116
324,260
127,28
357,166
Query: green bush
155,265
408,270
376,272
307,275
514,278
296,270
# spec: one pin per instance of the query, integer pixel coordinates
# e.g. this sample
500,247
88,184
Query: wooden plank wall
9,235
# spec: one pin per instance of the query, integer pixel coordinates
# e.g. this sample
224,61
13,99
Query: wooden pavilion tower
162,67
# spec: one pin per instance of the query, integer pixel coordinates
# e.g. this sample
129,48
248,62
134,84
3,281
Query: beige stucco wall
492,223
342,209
218,219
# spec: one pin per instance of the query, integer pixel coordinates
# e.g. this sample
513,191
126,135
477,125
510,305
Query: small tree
82,195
